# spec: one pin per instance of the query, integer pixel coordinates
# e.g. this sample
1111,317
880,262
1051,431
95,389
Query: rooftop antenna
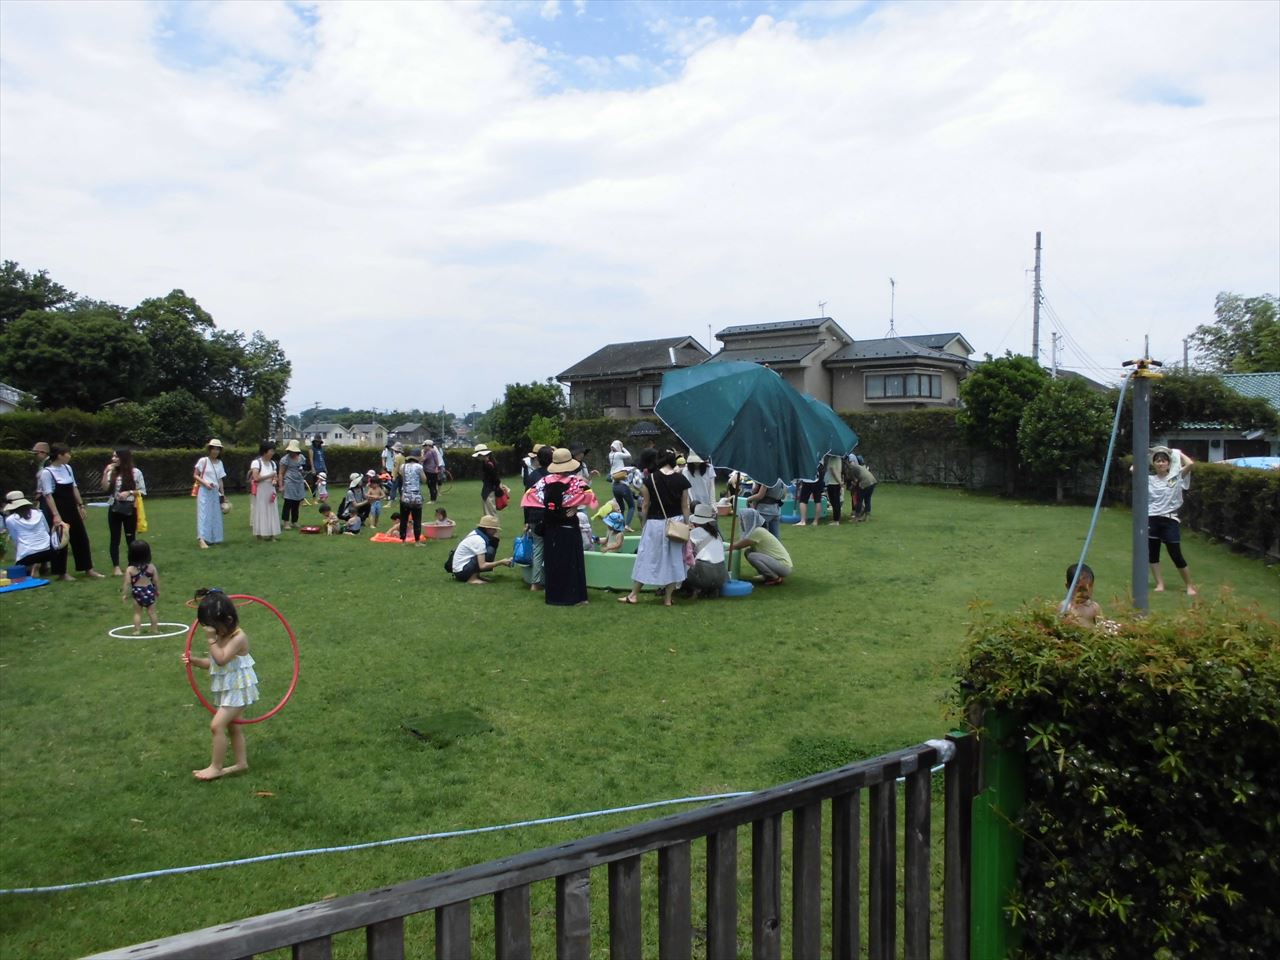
822,307
892,290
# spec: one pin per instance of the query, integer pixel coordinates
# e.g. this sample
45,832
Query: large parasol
746,417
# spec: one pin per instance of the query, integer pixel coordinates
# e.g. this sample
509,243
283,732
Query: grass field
533,711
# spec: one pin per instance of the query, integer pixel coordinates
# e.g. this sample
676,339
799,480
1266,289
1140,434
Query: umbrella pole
733,531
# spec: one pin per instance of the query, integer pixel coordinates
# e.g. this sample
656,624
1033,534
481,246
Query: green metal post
996,844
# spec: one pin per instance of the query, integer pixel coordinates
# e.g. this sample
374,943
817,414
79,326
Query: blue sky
524,182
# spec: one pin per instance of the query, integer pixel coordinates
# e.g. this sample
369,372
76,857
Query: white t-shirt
705,546
472,545
1164,494
52,476
30,535
211,471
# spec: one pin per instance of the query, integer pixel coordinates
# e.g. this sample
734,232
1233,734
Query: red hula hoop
293,642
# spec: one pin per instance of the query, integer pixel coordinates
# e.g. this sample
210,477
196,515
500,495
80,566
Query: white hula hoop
181,629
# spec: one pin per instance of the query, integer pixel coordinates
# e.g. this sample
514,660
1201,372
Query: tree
21,291
544,430
1245,338
1178,398
994,397
1065,426
82,358
174,419
175,328
521,403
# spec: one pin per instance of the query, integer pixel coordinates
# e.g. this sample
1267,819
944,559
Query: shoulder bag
677,530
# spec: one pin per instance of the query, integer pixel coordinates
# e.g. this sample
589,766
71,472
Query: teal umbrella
746,417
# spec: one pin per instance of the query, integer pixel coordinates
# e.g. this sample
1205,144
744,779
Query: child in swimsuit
142,580
232,681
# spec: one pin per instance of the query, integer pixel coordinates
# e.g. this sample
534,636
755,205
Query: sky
423,202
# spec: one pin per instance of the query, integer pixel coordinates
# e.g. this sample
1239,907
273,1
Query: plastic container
18,572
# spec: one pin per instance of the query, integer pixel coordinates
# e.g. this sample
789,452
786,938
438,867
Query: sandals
627,599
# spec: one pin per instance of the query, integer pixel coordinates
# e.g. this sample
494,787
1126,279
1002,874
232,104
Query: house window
649,394
610,396
894,386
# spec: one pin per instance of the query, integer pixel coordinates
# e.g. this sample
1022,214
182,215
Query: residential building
368,435
797,349
625,379
411,434
899,373
10,397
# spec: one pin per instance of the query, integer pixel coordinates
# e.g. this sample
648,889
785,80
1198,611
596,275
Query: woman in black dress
561,493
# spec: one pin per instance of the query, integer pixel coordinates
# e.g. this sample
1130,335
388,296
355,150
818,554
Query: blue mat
26,584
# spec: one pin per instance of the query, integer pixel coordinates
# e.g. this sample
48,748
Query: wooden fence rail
309,929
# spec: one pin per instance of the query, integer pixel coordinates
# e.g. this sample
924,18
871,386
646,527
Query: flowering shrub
1152,817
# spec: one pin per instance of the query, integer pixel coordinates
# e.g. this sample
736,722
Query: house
409,433
625,379
1214,442
10,397
797,349
368,435
899,373
816,356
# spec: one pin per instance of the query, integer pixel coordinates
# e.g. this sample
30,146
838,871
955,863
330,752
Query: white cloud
406,192
549,10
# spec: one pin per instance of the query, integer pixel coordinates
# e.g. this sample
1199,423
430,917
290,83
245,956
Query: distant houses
356,435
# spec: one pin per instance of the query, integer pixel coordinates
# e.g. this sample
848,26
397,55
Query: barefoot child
143,580
331,522
1081,609
231,680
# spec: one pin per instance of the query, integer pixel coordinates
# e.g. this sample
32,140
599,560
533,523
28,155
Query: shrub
1152,814
1235,504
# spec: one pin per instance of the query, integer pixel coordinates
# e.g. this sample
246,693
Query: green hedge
1152,815
1237,504
20,429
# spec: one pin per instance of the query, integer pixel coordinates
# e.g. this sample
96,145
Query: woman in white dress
208,474
264,475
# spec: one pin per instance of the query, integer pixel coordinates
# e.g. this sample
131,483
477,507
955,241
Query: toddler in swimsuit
142,580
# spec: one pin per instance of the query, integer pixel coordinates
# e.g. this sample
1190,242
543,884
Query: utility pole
893,289
1035,308
1186,362
1053,349
1143,374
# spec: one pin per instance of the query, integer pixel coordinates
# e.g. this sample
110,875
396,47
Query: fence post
996,844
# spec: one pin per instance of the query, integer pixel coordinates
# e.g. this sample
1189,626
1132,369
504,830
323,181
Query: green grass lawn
532,710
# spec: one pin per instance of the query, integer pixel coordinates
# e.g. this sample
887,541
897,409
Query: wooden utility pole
1035,308
1053,349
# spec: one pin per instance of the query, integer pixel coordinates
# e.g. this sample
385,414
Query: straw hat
16,500
353,479
397,448
693,458
490,523
703,513
428,443
482,450
536,448
292,447
562,461
215,442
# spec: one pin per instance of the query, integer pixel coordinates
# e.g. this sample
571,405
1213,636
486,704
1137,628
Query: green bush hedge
1152,816
1236,504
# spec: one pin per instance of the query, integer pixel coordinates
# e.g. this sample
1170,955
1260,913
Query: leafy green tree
255,425
21,291
994,397
82,357
544,430
174,419
176,328
1178,398
524,401
1245,338
1065,426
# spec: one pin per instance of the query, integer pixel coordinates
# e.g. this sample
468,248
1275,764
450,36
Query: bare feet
1159,588
117,572
66,576
203,545
214,773
95,575
627,599
1191,591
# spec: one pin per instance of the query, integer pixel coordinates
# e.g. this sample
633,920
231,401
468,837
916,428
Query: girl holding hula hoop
231,680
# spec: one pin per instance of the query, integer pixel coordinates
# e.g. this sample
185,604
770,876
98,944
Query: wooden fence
381,913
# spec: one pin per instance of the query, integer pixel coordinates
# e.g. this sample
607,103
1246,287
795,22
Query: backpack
448,562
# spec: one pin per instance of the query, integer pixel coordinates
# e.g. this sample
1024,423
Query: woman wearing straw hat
293,466
490,479
477,552
561,493
709,571
210,497
33,543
